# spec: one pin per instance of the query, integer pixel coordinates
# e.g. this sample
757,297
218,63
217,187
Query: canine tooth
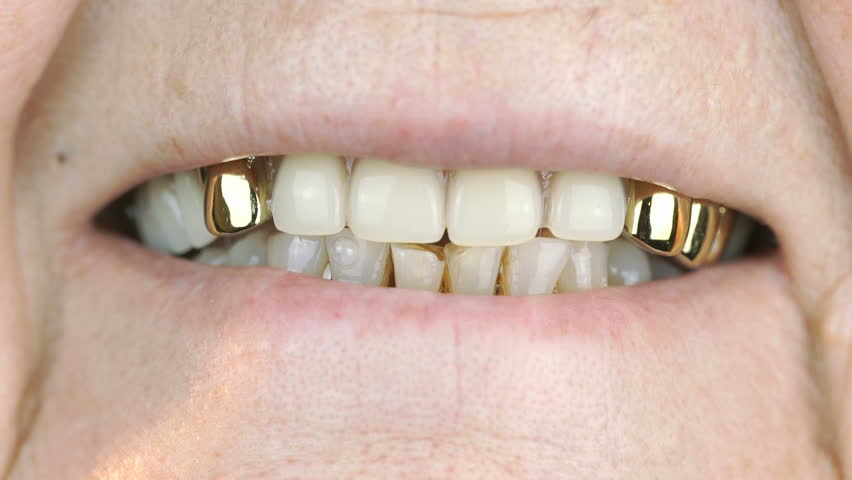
159,218
212,255
297,253
587,267
586,206
657,218
236,195
355,260
309,196
249,250
472,270
390,202
628,264
533,268
493,207
418,267
190,194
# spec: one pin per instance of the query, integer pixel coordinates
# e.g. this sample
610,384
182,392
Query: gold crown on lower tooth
693,232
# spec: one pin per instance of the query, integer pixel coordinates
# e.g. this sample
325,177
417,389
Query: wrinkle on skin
29,31
589,12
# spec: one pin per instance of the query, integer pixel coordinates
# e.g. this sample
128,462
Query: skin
121,363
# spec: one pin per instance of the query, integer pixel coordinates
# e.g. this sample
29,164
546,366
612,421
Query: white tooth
190,195
417,267
472,270
216,256
586,268
390,202
493,207
586,206
355,260
309,195
299,254
249,250
533,268
159,217
628,264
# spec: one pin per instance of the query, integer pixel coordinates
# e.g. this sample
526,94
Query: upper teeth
391,210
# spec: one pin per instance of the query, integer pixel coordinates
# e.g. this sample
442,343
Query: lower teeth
541,266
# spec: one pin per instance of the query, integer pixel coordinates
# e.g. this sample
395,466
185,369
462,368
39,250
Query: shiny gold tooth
657,218
237,195
701,235
727,220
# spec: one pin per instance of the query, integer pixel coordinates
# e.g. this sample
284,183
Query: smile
507,231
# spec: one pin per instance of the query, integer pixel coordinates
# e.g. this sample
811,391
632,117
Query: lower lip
276,305
286,303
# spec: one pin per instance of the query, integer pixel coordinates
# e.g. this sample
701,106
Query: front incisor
657,218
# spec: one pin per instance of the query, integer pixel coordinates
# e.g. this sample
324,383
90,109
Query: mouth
378,223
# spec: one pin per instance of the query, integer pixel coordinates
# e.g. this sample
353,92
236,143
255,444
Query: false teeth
586,206
310,194
390,202
373,222
493,207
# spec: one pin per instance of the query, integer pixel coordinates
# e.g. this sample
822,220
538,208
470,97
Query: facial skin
118,362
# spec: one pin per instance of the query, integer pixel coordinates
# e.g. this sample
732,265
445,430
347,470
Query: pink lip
277,301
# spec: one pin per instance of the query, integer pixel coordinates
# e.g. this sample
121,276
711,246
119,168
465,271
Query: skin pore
118,362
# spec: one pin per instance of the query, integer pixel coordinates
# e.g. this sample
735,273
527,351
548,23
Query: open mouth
508,231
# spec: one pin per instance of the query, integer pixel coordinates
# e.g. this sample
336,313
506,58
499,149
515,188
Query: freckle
177,86
62,158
